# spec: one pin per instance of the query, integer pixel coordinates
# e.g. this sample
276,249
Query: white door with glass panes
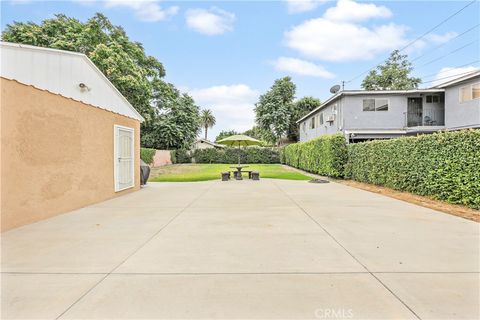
124,160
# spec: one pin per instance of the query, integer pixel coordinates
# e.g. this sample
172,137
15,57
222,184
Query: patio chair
429,121
226,176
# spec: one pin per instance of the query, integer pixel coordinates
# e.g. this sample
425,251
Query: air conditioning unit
331,118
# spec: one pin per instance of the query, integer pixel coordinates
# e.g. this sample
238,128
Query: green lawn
204,172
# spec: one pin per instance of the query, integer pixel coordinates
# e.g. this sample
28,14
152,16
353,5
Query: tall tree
124,62
273,110
207,119
225,133
254,132
300,108
177,121
393,74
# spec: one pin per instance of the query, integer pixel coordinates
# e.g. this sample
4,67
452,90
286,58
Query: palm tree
207,119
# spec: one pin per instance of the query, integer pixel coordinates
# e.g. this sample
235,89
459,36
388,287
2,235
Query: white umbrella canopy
239,140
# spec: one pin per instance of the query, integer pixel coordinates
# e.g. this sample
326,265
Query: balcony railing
425,118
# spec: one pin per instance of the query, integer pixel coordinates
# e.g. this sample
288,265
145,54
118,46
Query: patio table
238,175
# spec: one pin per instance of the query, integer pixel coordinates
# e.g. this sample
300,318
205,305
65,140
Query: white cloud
340,41
434,38
448,74
299,6
213,21
232,106
301,67
441,38
340,35
348,10
145,10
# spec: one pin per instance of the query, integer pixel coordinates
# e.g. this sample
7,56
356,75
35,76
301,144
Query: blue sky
226,53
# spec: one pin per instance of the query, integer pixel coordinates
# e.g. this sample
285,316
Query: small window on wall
381,105
465,94
432,99
469,92
476,91
375,105
304,126
321,118
368,104
312,123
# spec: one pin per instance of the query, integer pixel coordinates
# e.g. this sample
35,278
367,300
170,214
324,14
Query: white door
124,160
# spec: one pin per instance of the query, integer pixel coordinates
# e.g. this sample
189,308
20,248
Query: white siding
461,114
327,127
350,116
61,72
394,118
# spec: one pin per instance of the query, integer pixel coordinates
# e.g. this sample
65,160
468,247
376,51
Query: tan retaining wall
57,154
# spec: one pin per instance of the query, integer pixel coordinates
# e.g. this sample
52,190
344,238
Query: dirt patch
456,210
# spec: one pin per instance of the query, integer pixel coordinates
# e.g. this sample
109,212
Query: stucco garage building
68,137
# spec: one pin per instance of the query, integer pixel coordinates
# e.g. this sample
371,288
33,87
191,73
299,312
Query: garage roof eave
18,58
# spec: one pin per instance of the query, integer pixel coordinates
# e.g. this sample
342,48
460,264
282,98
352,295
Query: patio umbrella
239,140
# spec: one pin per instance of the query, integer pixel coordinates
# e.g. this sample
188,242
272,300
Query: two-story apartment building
462,102
364,115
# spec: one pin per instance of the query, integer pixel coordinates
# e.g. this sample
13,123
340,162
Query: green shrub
147,155
445,165
230,155
325,155
180,156
173,156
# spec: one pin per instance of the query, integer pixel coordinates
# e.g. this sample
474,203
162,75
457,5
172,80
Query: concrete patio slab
244,249
405,239
356,296
437,296
242,194
247,253
42,296
156,196
237,220
91,239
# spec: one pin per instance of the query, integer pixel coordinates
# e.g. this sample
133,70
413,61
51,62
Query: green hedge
445,165
147,155
326,155
230,155
180,156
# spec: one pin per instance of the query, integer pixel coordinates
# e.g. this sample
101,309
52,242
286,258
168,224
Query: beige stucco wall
57,154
